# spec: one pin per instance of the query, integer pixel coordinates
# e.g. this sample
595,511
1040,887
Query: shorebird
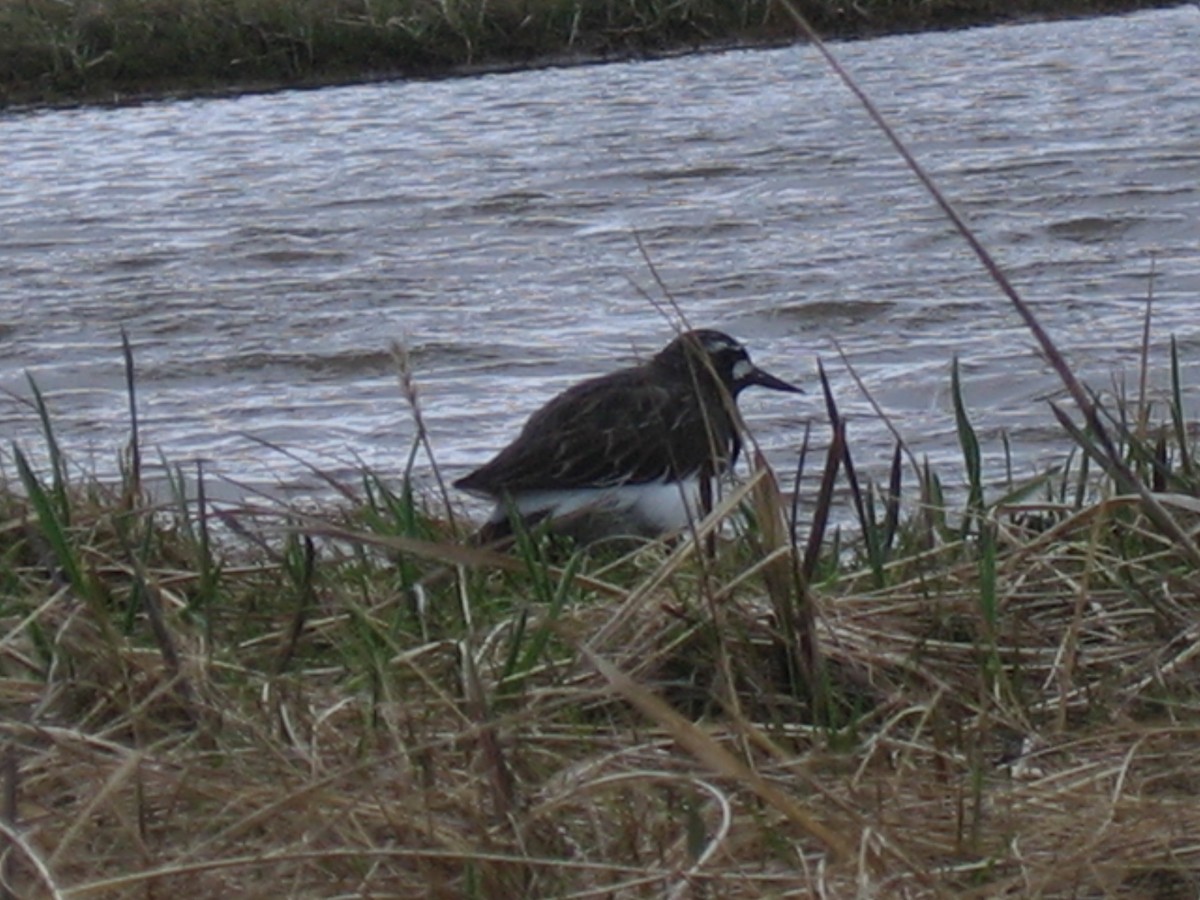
633,452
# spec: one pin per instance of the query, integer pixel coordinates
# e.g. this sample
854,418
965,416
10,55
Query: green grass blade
209,569
1083,480
1186,458
522,661
801,459
862,507
891,520
1009,480
300,562
987,576
53,526
821,514
132,470
933,506
834,457
58,464
969,443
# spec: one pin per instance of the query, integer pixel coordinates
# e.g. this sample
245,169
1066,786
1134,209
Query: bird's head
726,357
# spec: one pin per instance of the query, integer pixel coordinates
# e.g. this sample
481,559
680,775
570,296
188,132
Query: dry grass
312,733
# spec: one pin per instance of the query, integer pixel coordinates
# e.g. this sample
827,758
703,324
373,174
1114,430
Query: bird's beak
767,380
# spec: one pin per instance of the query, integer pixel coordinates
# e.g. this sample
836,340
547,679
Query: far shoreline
86,64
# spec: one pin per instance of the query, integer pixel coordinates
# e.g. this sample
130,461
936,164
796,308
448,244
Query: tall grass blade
891,519
987,578
788,592
1009,480
862,507
1021,493
801,459
1186,457
521,660
209,569
879,411
132,470
152,605
865,509
300,562
1143,402
53,527
1083,480
1084,441
177,489
408,387
58,463
1048,348
316,471
1162,464
501,780
822,512
933,503
969,443
833,459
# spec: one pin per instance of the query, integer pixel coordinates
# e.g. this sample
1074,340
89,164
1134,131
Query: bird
631,453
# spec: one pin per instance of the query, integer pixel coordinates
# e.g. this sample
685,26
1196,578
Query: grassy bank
62,51
995,697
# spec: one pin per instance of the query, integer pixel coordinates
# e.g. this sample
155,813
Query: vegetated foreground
62,51
998,699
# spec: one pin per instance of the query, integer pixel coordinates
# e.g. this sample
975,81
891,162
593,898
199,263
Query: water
262,252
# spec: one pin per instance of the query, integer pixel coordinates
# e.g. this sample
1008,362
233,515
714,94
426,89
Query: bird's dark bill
767,380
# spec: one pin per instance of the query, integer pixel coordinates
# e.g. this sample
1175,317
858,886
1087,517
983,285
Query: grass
995,697
61,51
976,693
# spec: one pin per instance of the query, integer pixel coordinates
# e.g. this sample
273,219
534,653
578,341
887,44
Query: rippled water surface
262,252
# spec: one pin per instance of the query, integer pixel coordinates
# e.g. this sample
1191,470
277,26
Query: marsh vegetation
990,694
55,51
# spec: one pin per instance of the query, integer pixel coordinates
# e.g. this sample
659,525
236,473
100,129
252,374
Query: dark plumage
626,452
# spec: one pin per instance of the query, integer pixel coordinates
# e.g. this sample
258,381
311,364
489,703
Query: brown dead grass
1055,757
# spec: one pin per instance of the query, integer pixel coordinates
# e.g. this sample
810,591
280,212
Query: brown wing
618,429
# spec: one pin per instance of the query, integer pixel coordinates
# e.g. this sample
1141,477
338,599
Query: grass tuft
186,682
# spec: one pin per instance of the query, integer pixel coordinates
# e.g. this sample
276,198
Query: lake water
263,252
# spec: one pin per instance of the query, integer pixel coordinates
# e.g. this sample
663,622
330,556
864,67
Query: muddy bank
120,51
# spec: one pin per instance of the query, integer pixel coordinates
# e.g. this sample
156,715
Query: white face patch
715,344
741,369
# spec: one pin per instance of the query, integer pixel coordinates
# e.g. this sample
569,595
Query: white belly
649,509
